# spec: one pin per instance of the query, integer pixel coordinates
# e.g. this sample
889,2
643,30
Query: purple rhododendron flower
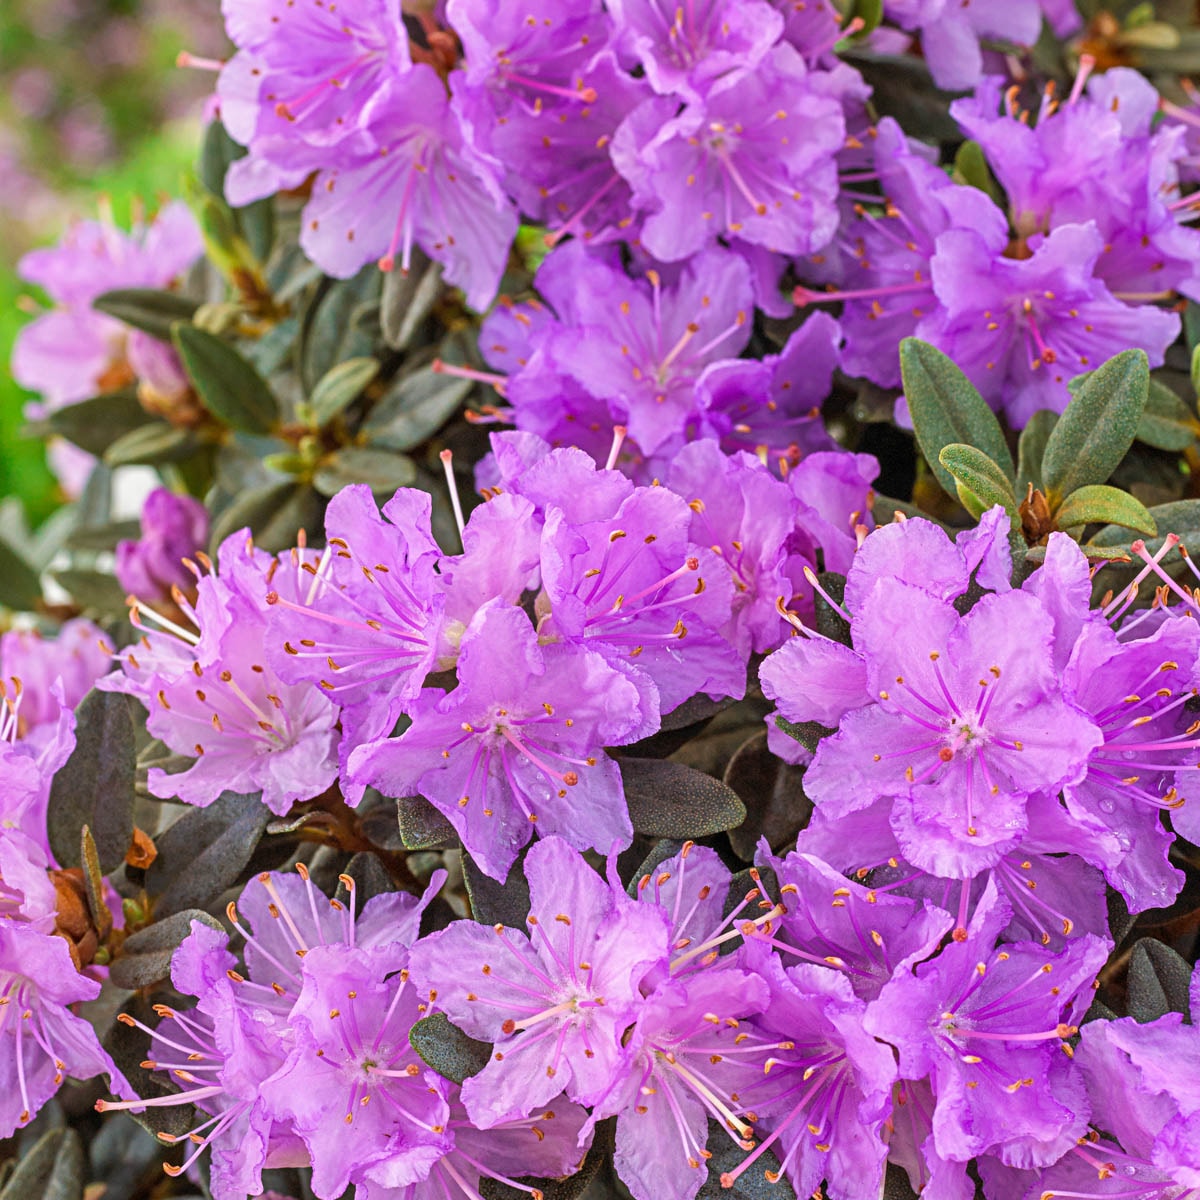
986,1025
754,158
50,673
28,766
41,1040
413,179
549,1144
554,1003
365,626
173,527
214,696
66,354
685,48
519,744
826,1091
957,719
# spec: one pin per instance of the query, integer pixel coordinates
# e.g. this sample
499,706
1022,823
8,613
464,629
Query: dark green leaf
896,1185
95,590
327,334
1100,503
1181,517
869,12
205,852
145,957
20,587
808,733
979,481
901,87
415,407
53,1169
274,512
1032,448
752,1183
228,386
382,471
1158,981
152,444
93,425
340,387
1098,427
370,879
148,309
447,1050
495,903
773,793
408,298
96,785
1167,423
93,884
256,221
1195,360
668,800
946,409
1095,554
971,168
422,827
830,622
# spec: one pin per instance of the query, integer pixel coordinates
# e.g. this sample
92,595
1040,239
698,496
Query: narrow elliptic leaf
1098,427
1158,981
808,733
205,851
148,309
145,957
979,481
668,800
20,587
408,298
152,444
93,884
830,622
338,388
752,1183
773,793
1195,357
228,386
447,1050
971,168
414,408
53,1169
869,12
382,471
1096,554
274,513
96,785
93,425
328,334
946,409
1032,448
1108,505
94,591
495,903
422,827
1180,517
1167,423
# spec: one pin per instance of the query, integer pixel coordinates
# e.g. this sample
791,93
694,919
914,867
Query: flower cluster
1095,235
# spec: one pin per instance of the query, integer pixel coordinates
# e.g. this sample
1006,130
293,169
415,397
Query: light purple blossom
518,746
554,1003
173,527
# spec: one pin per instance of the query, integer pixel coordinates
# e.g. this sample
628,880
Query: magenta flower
986,1025
413,179
215,698
73,660
173,528
555,1003
685,48
41,1040
518,746
753,159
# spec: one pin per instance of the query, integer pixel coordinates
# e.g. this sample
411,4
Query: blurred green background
91,103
